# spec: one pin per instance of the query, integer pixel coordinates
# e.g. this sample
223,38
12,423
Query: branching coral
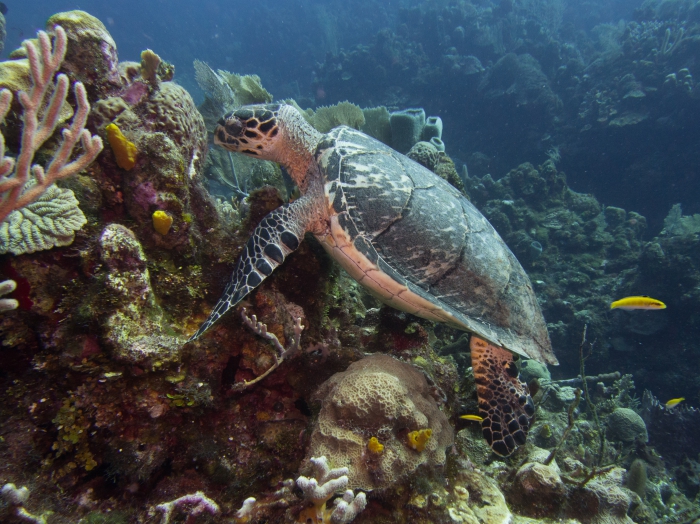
16,498
329,481
319,491
199,502
16,174
282,353
6,304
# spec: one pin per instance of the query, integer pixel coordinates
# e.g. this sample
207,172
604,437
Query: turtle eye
222,121
234,127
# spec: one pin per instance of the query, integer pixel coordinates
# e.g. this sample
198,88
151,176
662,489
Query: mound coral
385,398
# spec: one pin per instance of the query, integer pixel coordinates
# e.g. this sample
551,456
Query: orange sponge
124,151
162,222
418,439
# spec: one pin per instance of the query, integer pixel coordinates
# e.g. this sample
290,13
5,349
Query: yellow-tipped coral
124,151
374,446
162,222
418,439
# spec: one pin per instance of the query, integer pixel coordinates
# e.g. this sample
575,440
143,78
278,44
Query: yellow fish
477,418
674,402
643,302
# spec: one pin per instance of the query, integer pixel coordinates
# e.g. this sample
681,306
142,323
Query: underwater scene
368,261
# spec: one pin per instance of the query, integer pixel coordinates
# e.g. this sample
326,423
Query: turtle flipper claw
277,235
504,401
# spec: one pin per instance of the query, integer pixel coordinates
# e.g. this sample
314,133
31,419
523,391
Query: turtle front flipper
504,401
277,235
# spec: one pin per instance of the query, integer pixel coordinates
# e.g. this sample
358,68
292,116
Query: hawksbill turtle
406,235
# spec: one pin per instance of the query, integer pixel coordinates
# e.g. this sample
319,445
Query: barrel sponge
377,123
626,425
432,128
381,397
406,128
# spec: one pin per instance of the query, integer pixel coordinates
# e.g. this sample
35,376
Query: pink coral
15,175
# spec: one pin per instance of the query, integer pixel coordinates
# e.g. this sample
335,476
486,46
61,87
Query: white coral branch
246,512
16,498
7,304
199,502
329,481
14,175
348,507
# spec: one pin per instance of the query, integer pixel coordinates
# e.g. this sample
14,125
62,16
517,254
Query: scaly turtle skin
406,235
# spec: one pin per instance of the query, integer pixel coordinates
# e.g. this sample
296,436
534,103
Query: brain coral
171,110
380,397
626,425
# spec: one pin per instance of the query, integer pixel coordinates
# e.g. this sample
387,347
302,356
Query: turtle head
276,132
252,130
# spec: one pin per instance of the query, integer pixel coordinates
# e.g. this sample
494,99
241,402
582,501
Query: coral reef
425,153
111,417
199,501
49,221
8,304
322,486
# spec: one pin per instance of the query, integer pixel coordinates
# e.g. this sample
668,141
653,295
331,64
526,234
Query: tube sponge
406,128
432,128
637,478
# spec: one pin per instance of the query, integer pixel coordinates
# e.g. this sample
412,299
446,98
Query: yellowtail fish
477,418
643,302
674,402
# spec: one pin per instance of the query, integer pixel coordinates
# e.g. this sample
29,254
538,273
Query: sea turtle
406,235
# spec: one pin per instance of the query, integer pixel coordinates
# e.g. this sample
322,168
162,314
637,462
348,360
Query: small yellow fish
477,418
643,302
674,402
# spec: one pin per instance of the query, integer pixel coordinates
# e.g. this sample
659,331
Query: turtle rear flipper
504,401
277,235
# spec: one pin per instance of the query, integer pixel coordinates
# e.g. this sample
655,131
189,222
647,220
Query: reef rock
134,328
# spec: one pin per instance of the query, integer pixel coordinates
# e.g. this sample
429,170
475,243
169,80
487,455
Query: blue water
276,39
